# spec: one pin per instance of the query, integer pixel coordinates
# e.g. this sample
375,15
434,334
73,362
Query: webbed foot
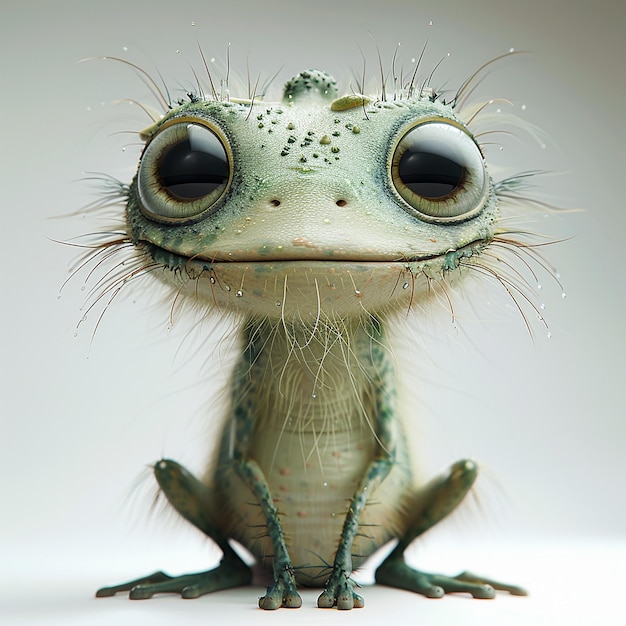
282,593
396,573
225,576
339,592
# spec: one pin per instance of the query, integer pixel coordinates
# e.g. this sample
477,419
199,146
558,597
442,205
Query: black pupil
430,175
190,174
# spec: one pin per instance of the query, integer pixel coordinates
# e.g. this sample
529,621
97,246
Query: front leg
339,588
283,590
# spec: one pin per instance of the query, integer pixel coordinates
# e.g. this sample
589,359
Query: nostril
341,202
275,202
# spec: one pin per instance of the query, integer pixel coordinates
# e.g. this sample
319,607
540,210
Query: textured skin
314,452
313,248
359,253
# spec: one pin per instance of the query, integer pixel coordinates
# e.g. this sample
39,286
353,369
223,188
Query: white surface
79,423
572,584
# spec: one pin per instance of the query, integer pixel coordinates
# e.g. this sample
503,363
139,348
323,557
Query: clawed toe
396,573
229,574
514,590
280,594
340,595
136,584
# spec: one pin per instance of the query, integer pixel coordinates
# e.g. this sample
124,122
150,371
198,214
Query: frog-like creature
315,221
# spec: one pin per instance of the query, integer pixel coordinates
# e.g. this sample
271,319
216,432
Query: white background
82,419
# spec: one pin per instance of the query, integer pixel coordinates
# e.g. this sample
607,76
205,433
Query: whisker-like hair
208,71
512,289
383,89
252,95
512,268
199,87
393,72
429,80
482,107
520,249
161,95
153,115
114,286
471,83
418,64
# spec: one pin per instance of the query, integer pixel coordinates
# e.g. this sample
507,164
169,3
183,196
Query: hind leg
194,501
432,504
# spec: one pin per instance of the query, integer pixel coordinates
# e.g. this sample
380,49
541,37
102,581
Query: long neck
303,375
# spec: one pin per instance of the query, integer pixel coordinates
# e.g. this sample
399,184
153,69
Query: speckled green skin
338,212
314,249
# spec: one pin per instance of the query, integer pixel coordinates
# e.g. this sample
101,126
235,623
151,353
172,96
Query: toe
141,592
483,592
326,601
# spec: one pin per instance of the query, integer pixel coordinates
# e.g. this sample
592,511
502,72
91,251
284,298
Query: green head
318,204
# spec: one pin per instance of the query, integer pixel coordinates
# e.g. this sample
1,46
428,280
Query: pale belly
312,480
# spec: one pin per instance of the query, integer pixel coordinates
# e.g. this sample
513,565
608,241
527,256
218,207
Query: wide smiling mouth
174,259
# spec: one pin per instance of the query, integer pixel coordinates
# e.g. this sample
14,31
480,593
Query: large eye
183,172
438,170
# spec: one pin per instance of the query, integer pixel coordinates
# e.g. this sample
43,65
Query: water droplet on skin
357,293
227,287
542,306
324,484
405,286
549,335
239,293
563,295
278,303
511,49
125,48
539,286
212,280
523,107
313,395
75,334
